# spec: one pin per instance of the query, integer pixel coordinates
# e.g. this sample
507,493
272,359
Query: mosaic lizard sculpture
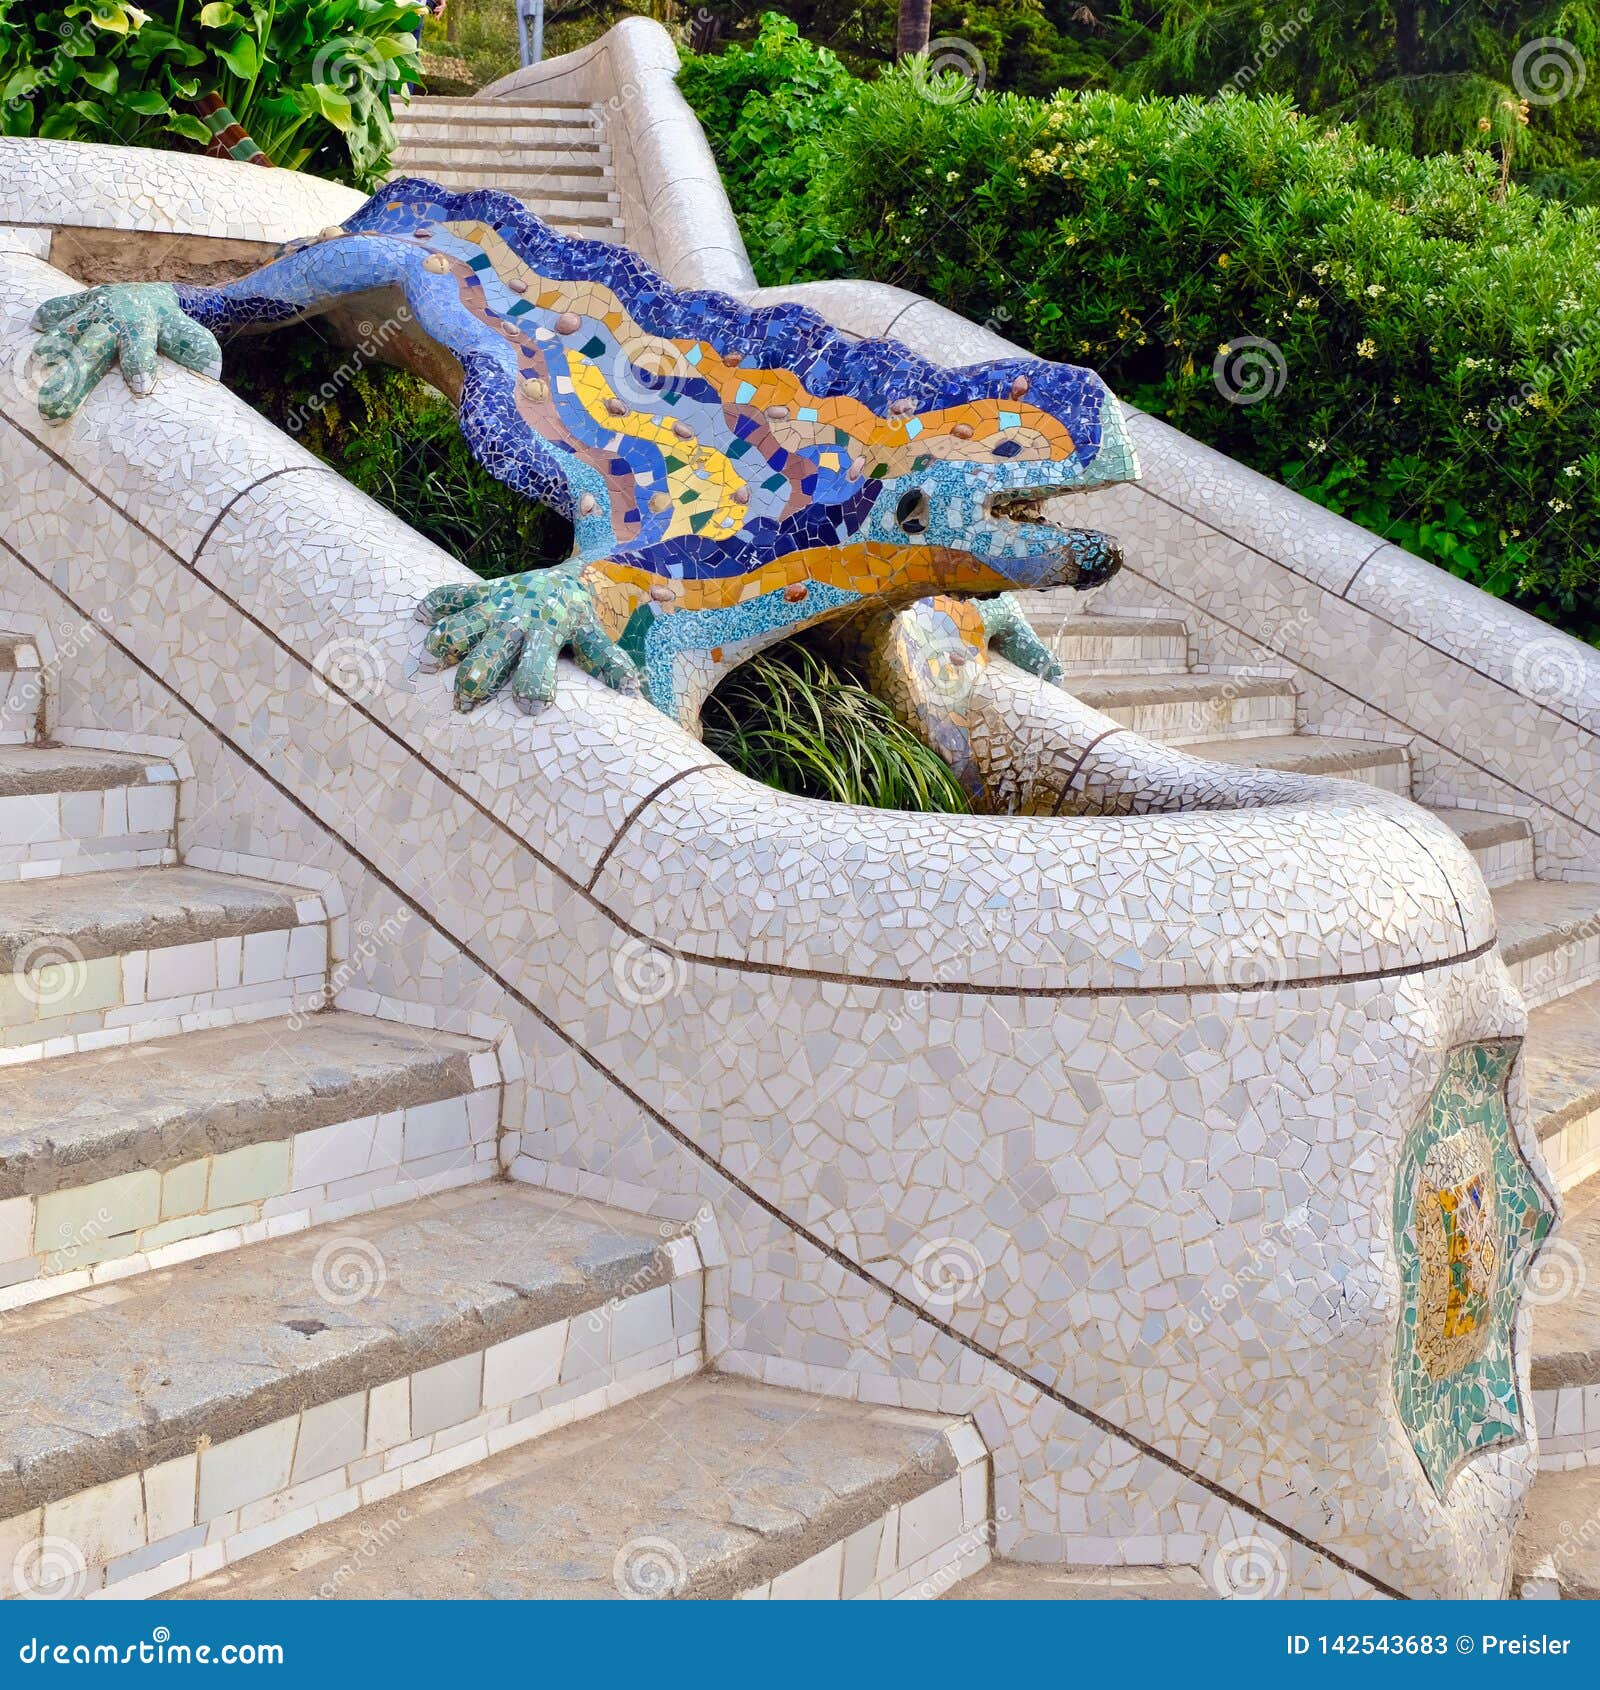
733,475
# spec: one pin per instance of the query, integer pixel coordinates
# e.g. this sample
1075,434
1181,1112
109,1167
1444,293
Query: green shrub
311,80
769,111
397,440
1438,336
794,719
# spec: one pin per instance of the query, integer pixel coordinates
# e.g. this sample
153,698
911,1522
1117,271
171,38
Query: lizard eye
912,512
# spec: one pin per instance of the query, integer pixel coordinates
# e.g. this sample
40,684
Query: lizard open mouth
1021,505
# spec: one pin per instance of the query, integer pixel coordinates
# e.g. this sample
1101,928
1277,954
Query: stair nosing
926,1462
274,909
115,769
460,1325
45,1158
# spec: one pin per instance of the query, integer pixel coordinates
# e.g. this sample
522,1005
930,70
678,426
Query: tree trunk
1409,32
911,36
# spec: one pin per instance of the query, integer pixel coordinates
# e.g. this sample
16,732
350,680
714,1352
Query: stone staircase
553,156
267,1300
1140,672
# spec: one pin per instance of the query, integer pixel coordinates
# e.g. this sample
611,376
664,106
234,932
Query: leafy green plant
396,439
796,720
1430,337
769,110
311,80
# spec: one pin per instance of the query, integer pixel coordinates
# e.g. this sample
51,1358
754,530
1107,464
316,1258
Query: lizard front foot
515,628
131,322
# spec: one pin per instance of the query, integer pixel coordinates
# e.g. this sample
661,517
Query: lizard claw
515,629
1009,633
84,334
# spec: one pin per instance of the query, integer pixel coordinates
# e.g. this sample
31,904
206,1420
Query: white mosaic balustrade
1079,1052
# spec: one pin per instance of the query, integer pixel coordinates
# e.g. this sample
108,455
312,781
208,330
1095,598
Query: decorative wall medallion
1468,1219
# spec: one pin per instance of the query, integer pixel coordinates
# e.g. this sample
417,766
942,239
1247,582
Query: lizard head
976,461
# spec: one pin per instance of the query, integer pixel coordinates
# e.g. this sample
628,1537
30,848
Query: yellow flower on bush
1367,349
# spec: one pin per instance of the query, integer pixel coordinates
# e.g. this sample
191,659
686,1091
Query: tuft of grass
792,719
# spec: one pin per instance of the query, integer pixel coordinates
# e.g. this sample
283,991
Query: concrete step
21,690
63,809
499,134
567,191
1369,761
1501,845
1184,709
158,1430
417,156
714,1488
1018,1581
1549,936
1557,1548
1564,1291
1124,645
118,1161
89,960
425,106
556,182
1561,1063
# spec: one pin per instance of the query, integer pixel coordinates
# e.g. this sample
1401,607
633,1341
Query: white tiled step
1181,709
573,192
116,1161
21,690
1369,761
1020,1581
716,1487
246,1397
1561,1063
63,809
559,184
1549,936
1564,1291
1502,845
416,158
1124,645
509,133
1557,1548
88,960
426,106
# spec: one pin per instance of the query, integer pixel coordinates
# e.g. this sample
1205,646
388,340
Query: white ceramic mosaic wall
1085,1127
